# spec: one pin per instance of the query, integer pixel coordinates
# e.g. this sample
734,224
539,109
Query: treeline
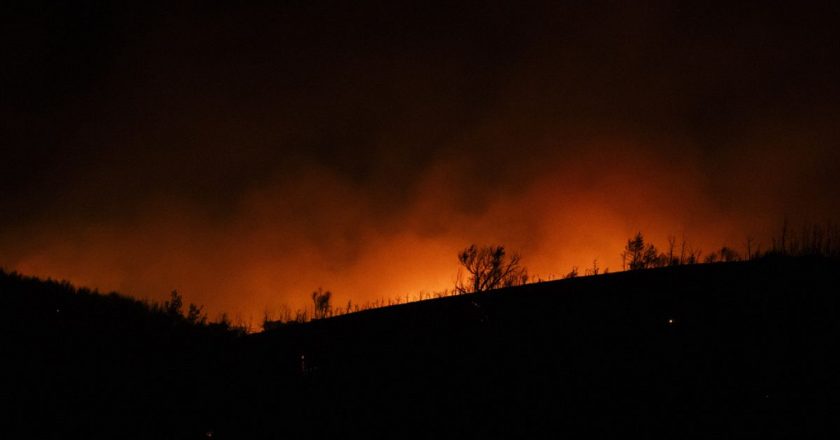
82,364
481,268
812,240
32,298
484,268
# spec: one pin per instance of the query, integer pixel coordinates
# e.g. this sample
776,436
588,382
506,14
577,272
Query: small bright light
670,321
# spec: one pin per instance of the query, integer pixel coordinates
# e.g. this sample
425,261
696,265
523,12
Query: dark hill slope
79,364
741,348
736,349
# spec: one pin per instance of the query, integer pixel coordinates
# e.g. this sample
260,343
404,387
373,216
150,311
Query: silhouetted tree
725,254
813,239
634,252
749,246
728,254
693,256
595,270
196,314
175,305
223,322
640,255
672,259
489,267
321,300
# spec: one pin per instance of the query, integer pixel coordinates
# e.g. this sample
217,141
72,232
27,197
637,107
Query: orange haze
285,240
246,154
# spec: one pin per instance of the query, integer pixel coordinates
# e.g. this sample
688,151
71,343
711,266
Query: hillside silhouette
82,364
731,349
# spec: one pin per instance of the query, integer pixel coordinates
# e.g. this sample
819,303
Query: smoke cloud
248,155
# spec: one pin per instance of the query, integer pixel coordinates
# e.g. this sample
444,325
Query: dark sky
246,154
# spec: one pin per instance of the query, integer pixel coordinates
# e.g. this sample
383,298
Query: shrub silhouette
814,239
595,270
728,254
196,315
489,267
174,307
321,299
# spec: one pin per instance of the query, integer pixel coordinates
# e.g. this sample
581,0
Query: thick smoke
246,157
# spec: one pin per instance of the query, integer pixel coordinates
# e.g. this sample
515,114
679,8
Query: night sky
246,154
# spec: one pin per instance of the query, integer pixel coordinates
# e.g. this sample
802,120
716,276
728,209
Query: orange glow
286,240
246,156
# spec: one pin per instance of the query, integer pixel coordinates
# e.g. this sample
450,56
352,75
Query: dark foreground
731,350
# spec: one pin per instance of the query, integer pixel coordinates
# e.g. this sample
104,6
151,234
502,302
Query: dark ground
719,350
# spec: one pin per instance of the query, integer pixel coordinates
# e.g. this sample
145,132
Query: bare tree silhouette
595,270
489,267
672,259
321,300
